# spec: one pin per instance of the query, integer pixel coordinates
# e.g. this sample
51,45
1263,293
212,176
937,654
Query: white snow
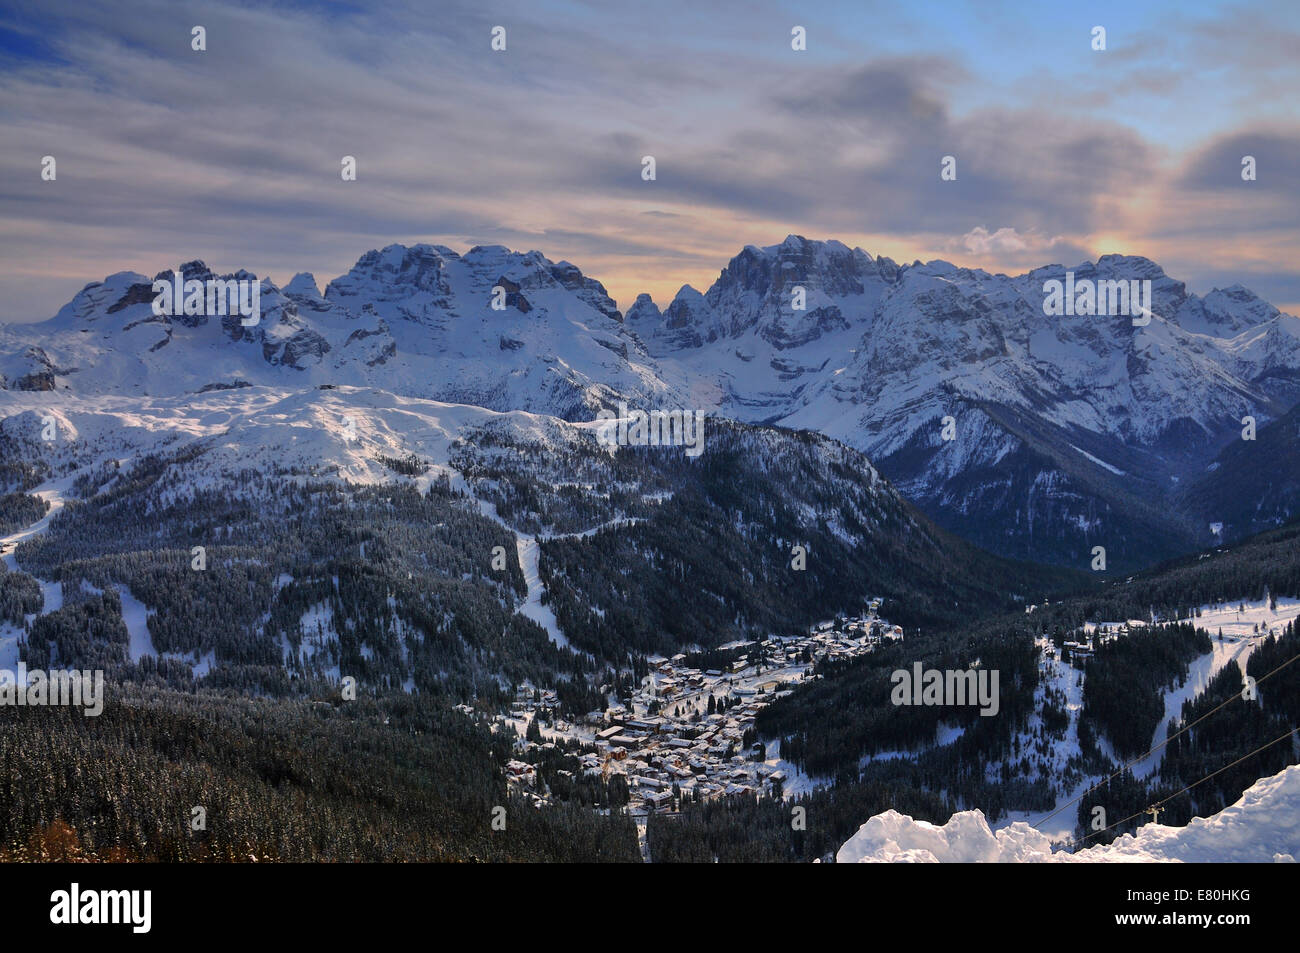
796,782
52,492
533,608
1263,826
136,617
1239,640
1101,463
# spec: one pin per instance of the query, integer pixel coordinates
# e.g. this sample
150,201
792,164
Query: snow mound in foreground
1263,826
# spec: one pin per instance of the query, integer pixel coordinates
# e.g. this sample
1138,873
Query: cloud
980,241
233,155
1217,166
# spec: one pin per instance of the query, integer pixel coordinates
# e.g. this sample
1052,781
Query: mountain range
1035,436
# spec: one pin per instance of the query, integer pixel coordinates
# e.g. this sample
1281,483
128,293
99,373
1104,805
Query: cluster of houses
1084,644
1080,649
683,732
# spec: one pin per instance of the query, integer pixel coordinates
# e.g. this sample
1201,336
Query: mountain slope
1252,485
1066,431
350,530
416,321
1036,436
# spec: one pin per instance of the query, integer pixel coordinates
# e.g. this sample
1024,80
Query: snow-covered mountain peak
1089,417
303,286
502,329
815,335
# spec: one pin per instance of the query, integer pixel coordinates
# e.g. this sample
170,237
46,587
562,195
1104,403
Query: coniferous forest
260,593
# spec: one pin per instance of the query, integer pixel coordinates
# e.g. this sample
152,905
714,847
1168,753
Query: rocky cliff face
1064,431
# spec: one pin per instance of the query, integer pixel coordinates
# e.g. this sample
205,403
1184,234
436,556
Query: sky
233,154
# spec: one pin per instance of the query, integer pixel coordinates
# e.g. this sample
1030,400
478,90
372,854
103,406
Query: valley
662,650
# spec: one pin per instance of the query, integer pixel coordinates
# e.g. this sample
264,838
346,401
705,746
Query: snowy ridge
1262,827
878,339
336,433
1065,429
417,321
